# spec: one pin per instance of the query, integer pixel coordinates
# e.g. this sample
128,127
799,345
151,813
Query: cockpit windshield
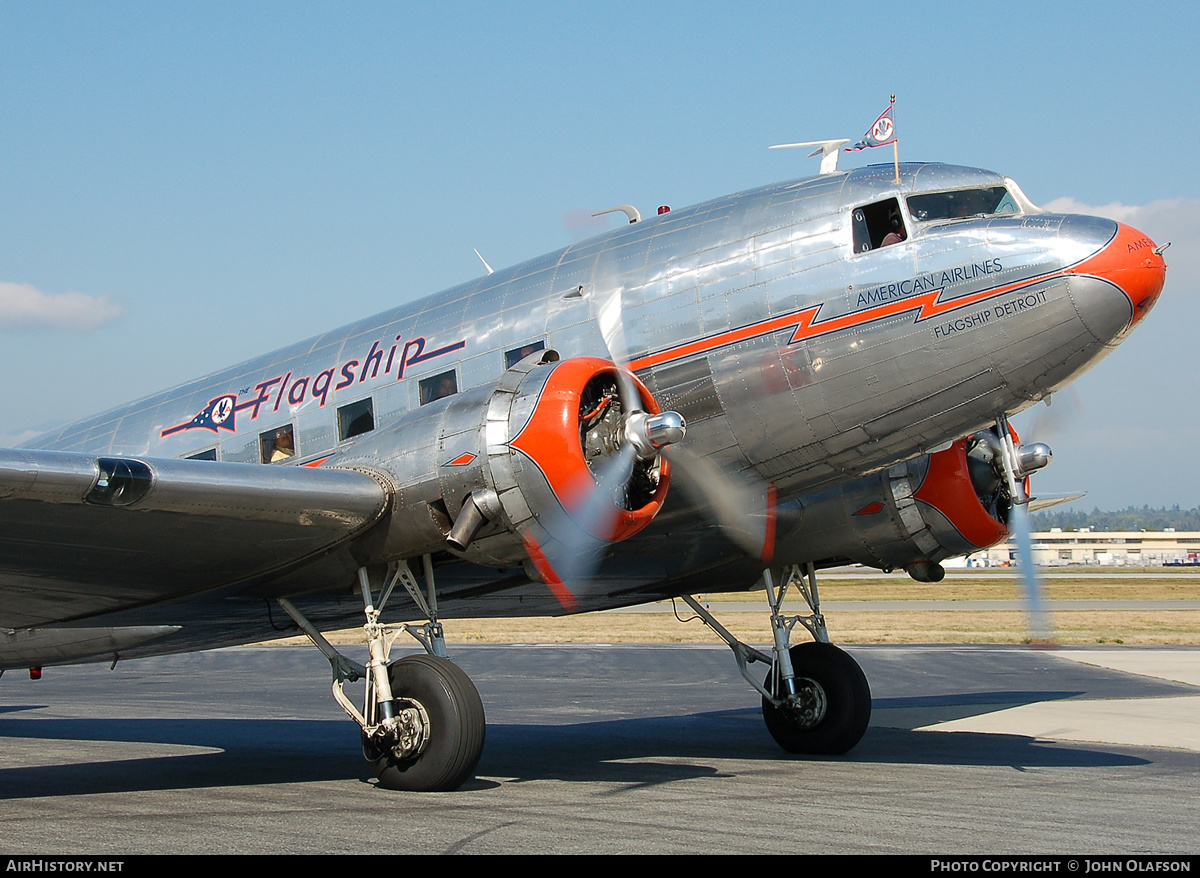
961,204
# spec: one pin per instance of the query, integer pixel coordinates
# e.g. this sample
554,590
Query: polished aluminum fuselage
788,353
803,414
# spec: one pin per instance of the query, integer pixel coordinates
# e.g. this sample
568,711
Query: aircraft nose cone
1129,262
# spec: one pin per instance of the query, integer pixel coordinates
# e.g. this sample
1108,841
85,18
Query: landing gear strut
422,720
815,698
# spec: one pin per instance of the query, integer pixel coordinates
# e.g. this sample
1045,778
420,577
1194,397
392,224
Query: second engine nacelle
913,515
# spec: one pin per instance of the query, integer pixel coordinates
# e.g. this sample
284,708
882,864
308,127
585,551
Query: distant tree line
1130,518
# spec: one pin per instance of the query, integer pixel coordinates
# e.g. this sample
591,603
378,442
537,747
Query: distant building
1059,548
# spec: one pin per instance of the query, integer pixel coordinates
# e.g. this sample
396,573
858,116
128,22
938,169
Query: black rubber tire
848,703
457,726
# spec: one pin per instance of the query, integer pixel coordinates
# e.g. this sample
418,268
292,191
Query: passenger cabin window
438,386
277,445
962,204
516,355
356,418
211,454
878,225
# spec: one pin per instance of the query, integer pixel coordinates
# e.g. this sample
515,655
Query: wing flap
83,534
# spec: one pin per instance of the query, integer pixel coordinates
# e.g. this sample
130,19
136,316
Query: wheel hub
410,734
807,707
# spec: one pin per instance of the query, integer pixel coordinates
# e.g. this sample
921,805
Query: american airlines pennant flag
881,133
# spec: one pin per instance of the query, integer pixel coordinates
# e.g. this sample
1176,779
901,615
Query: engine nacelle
511,472
527,466
913,515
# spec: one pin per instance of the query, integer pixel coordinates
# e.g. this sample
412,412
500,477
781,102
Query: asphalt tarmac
606,749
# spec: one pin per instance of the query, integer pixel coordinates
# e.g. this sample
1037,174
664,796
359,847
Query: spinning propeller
1051,422
1000,471
622,446
742,505
632,450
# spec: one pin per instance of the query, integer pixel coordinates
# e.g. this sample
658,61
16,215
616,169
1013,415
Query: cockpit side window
877,225
962,204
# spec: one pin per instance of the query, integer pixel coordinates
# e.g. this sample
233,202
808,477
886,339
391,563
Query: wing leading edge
82,535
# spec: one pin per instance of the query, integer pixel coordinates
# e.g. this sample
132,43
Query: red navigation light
662,208
35,673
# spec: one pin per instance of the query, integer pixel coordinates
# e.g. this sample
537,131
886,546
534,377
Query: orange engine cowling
520,475
975,510
913,516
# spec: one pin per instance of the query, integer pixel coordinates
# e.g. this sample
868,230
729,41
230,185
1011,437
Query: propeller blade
1040,629
611,318
598,514
631,399
568,564
1053,421
1015,463
745,511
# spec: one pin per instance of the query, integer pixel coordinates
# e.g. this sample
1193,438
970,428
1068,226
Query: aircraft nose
1133,264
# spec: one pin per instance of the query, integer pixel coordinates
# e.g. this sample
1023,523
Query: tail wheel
834,706
456,726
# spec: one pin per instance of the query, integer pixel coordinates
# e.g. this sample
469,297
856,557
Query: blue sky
217,180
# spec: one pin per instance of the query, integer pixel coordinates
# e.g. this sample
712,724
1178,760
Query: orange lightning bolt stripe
804,323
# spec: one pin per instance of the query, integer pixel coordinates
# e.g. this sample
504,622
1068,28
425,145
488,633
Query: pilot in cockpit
896,232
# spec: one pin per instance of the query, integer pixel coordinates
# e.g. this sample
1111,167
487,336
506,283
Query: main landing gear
422,720
815,698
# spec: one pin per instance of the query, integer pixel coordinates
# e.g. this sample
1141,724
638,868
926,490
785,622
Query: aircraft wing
82,534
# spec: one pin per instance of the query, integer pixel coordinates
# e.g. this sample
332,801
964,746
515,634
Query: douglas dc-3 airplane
823,369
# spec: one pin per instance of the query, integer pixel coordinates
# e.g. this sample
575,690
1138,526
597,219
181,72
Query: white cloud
1174,219
1125,213
24,306
12,440
1135,429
